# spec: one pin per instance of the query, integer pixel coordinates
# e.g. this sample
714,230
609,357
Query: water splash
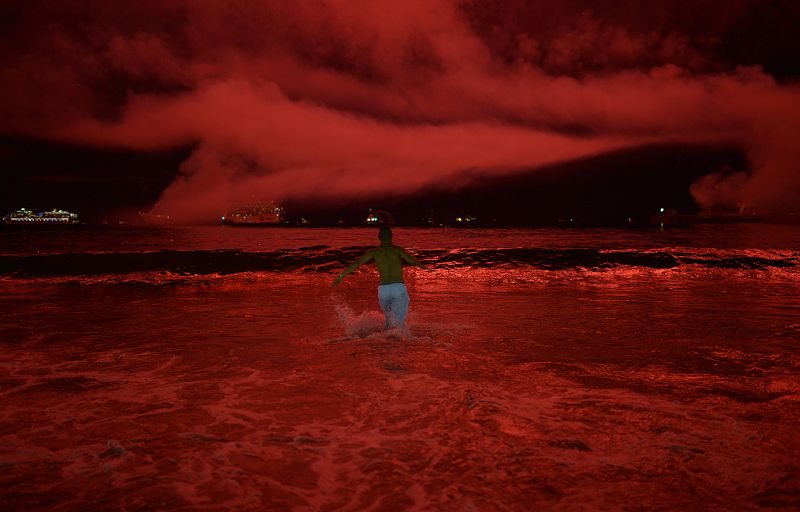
359,325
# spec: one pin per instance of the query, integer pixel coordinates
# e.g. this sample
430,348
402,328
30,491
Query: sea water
215,368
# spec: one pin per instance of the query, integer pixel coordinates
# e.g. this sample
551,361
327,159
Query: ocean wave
327,259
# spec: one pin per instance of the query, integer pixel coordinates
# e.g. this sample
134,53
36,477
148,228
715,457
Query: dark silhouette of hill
603,190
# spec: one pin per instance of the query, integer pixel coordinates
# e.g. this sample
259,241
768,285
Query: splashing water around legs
358,325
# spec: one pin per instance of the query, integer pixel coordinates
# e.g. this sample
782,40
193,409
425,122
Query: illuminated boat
379,218
26,217
667,217
674,218
156,219
263,214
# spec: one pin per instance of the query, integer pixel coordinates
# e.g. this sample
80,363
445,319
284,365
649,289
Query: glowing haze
342,98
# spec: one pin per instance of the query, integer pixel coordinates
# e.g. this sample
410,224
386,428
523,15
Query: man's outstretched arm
412,260
360,261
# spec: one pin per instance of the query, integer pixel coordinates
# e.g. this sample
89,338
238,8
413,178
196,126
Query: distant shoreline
480,226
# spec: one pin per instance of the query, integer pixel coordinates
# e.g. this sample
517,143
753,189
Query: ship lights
54,216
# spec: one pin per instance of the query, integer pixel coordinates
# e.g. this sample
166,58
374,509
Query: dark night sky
538,109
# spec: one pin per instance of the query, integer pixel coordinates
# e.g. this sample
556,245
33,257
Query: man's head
385,234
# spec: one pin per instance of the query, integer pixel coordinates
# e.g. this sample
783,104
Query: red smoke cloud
256,142
341,98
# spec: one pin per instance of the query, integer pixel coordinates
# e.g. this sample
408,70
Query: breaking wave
326,259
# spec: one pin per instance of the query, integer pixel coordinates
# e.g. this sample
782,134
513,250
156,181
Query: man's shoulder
387,249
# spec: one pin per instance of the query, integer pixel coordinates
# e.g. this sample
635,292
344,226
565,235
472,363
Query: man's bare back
392,293
389,260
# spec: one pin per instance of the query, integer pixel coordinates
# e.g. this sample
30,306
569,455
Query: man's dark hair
385,234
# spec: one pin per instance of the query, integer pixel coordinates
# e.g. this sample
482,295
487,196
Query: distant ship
157,219
667,217
262,214
26,217
379,218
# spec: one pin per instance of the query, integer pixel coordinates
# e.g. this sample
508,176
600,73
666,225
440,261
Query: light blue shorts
394,300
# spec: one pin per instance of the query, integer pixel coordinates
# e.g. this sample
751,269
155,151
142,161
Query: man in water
392,293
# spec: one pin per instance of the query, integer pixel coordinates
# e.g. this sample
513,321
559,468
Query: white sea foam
361,324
